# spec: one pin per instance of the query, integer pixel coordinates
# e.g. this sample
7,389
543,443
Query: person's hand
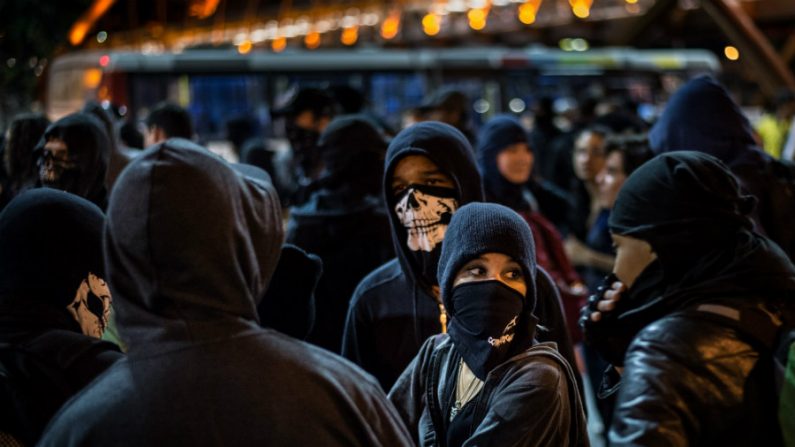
607,302
600,331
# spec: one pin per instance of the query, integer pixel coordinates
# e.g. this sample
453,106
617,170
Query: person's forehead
416,164
55,144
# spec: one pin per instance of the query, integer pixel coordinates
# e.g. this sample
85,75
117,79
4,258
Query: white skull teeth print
422,215
91,306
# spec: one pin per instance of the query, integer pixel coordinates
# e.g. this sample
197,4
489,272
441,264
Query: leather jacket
689,381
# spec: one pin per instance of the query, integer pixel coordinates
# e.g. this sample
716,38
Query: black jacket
351,235
529,400
190,246
692,382
344,221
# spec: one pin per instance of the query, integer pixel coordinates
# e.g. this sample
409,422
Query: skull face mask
57,168
91,306
425,211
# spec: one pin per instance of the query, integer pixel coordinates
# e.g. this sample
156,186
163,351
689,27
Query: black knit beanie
480,228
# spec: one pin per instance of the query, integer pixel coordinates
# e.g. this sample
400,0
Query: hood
701,116
50,245
191,245
495,136
85,138
352,152
450,150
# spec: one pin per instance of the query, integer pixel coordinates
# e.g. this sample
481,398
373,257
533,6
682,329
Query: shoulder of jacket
388,274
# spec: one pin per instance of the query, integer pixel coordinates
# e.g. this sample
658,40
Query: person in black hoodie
18,158
54,306
701,116
190,246
343,222
487,381
696,285
430,172
73,156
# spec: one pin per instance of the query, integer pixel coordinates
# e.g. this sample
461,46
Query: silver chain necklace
465,390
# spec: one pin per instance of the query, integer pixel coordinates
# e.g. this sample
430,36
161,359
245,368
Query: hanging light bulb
312,40
528,11
391,25
581,8
350,35
477,18
431,24
279,44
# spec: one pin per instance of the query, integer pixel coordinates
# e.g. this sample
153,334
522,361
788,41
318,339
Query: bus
216,84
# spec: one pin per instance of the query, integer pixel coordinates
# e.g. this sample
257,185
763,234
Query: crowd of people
439,285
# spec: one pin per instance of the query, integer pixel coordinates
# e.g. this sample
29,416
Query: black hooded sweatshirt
344,221
88,142
392,311
190,246
50,242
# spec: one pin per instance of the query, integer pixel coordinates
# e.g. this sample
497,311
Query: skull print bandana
91,306
425,211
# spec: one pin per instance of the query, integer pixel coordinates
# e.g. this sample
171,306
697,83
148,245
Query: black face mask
58,173
305,150
425,211
483,326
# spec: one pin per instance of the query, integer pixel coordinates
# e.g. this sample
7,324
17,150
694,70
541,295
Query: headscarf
51,269
481,337
493,138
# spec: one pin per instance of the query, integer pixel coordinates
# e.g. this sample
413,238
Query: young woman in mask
487,381
54,306
506,160
694,285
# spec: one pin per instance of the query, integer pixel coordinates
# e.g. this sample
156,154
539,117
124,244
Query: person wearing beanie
695,284
73,156
343,221
190,246
487,381
702,116
506,161
54,307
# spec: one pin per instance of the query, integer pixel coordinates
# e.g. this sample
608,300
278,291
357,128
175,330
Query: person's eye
475,271
432,181
398,189
515,274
